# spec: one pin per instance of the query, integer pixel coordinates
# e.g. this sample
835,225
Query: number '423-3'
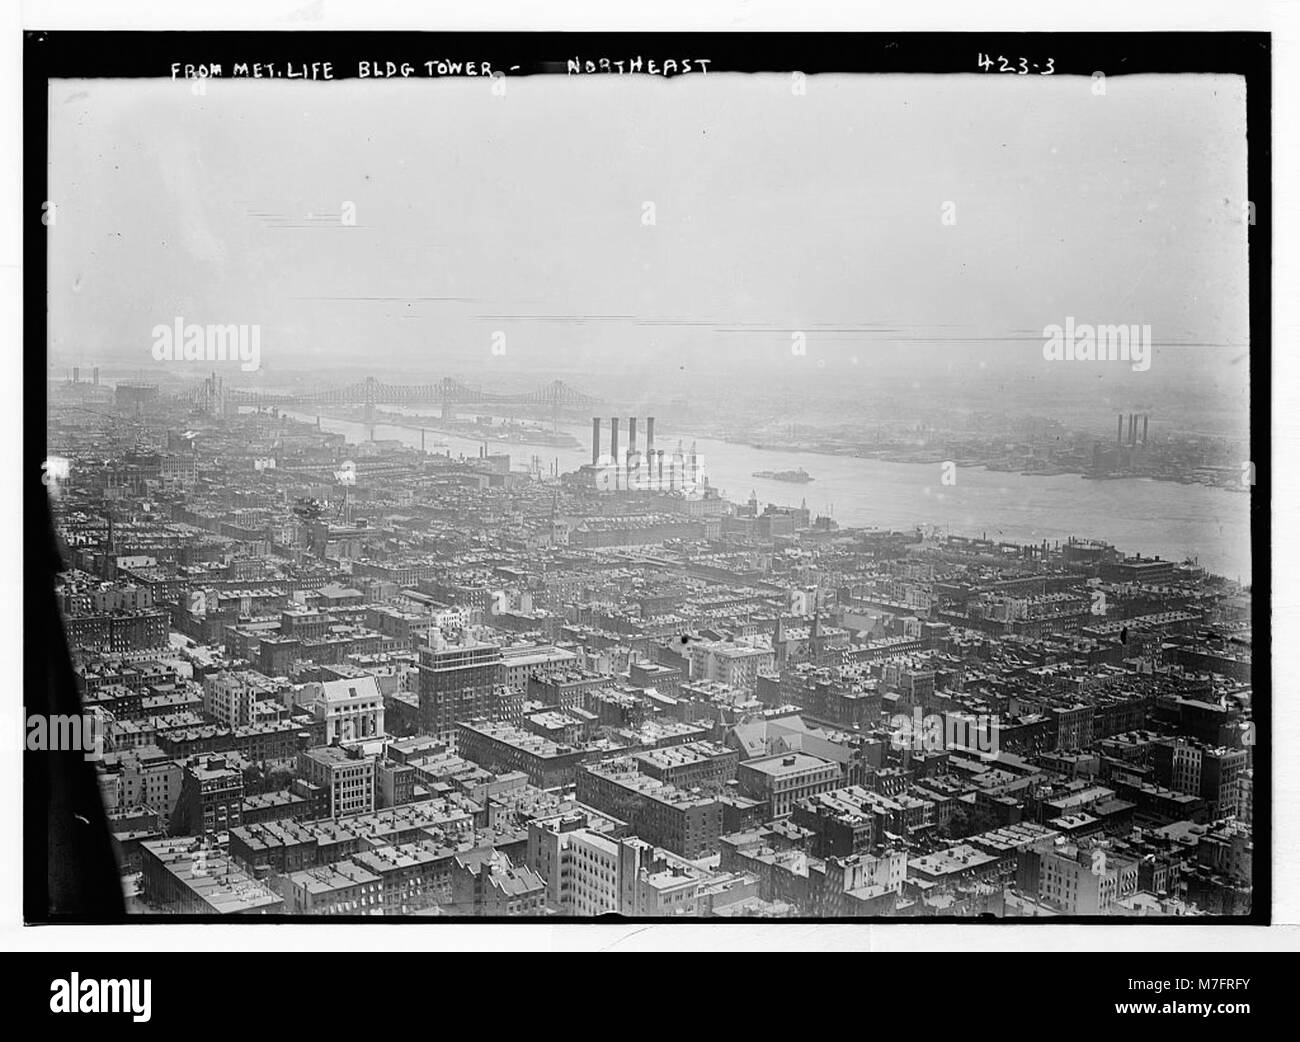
1019,66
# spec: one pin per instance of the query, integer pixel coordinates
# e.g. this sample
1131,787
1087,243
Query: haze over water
1155,518
655,241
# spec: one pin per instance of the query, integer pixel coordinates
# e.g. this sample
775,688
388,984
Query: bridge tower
444,393
371,392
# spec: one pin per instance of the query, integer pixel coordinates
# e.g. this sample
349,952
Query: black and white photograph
717,478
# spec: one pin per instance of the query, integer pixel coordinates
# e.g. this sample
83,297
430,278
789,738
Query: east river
1163,518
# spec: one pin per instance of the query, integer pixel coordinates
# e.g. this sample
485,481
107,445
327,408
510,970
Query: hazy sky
773,212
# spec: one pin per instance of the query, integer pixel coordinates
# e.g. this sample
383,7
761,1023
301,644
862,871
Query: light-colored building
346,775
593,873
231,698
589,873
1083,881
730,663
783,780
520,663
352,708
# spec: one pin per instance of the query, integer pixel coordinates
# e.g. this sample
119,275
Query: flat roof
787,763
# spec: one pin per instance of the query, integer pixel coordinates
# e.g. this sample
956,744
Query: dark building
457,683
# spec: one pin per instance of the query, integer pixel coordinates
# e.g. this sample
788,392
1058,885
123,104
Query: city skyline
730,497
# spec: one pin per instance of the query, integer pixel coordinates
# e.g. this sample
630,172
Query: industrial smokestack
96,375
632,462
76,374
613,446
1119,429
1133,430
595,439
1145,419
650,436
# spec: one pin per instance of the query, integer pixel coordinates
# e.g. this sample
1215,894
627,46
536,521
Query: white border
1279,17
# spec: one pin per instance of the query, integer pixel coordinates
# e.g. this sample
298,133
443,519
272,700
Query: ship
521,435
799,476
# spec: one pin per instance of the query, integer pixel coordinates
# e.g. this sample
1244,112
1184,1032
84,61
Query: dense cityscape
369,678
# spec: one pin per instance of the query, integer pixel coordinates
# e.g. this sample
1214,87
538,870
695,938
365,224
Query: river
1163,518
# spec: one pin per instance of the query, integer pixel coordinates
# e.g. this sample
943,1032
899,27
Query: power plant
1130,455
1132,430
635,470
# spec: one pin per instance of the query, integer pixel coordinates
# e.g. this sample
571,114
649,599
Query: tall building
457,683
347,776
593,863
229,698
144,779
211,799
727,662
518,664
589,873
1211,772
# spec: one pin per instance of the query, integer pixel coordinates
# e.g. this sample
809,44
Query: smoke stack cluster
634,469
1132,429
